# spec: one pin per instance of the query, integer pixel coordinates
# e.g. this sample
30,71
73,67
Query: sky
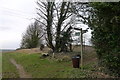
15,16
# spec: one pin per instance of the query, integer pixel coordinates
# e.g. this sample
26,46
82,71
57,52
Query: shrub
106,35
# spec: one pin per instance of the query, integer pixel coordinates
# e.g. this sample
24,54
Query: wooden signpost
81,39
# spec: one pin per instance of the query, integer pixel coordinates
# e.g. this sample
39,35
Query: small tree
31,37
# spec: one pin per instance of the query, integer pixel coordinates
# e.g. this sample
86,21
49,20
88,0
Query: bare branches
66,26
55,15
66,11
56,11
40,22
68,16
41,16
42,35
42,5
41,11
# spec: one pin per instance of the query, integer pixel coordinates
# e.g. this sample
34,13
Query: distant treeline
6,50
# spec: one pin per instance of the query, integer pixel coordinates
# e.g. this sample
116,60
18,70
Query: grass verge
8,69
44,68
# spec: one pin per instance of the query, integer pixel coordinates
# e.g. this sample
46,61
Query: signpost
81,39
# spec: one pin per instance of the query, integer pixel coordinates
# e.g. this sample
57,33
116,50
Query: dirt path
20,69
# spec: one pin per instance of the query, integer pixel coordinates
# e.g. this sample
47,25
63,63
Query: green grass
8,69
43,68
0,64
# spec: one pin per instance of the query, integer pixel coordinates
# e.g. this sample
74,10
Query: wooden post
81,37
84,44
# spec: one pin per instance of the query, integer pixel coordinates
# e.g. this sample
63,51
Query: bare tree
57,20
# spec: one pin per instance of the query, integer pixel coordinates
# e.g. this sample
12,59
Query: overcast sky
15,16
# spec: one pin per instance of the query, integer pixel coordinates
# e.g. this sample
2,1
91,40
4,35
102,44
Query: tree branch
66,26
40,5
41,11
41,16
41,22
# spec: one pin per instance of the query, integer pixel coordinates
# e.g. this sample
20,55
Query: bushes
106,35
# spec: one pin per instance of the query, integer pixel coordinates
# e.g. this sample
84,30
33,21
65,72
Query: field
34,66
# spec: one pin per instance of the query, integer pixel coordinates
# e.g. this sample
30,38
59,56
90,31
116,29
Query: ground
29,63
